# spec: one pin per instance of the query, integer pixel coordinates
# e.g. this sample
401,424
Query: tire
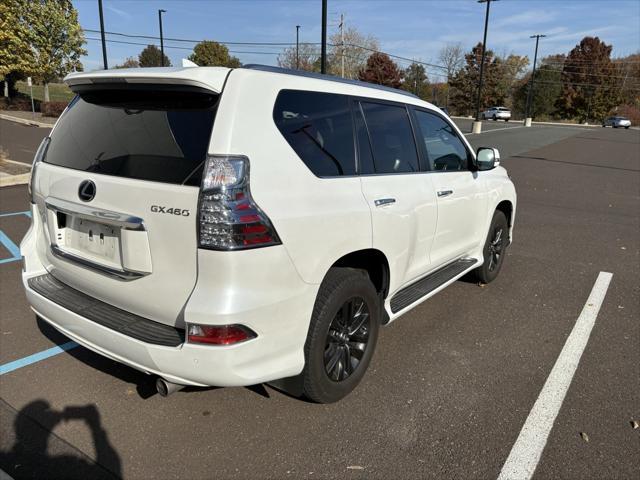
494,249
626,128
333,344
495,119
506,119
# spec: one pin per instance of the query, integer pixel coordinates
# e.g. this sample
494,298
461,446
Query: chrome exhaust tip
166,388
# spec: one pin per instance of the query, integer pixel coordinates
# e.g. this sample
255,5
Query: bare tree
451,57
309,55
356,50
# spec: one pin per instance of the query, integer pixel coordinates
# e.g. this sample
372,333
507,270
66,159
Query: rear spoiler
209,78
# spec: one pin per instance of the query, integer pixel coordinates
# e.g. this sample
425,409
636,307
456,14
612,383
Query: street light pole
104,42
323,51
160,12
477,125
297,47
528,115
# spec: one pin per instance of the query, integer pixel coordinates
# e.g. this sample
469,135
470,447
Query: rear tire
342,335
494,248
495,119
626,128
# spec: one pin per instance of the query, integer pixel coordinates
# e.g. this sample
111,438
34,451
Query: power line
180,48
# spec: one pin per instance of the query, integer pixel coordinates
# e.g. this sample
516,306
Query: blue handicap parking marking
11,247
7,243
36,357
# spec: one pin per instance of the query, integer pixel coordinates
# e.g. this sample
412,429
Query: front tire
495,119
626,128
342,335
494,248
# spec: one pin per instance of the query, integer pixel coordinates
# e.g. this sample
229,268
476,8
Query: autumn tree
304,59
588,87
382,70
354,52
210,53
151,56
465,82
129,62
416,81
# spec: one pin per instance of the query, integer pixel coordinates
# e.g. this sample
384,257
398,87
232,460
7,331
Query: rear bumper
281,321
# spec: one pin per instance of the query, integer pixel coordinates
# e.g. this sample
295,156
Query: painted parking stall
456,387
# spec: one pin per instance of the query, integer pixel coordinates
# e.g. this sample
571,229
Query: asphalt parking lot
451,384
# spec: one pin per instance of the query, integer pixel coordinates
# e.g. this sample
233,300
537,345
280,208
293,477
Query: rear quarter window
319,128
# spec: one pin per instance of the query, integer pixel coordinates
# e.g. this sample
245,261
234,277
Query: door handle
444,193
381,202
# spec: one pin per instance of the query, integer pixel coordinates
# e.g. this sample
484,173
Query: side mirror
487,158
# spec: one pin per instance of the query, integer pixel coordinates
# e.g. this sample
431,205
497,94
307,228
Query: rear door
459,191
401,197
118,193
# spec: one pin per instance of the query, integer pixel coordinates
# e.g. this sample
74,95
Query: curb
24,121
10,180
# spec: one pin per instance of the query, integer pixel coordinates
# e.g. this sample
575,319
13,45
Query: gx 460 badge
170,210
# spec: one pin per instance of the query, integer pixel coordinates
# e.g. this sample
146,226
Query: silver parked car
497,113
616,122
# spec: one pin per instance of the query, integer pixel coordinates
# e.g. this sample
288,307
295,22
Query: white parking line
526,452
496,130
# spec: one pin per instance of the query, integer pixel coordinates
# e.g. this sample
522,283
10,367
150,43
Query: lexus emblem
87,191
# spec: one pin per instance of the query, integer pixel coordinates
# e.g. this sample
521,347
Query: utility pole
323,51
297,47
477,125
342,42
104,42
528,115
160,12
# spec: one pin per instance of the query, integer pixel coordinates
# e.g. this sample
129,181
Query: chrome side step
428,284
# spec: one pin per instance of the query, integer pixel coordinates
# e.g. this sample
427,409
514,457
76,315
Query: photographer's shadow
38,453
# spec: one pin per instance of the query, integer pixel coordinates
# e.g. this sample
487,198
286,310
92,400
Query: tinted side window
318,127
394,149
365,157
445,150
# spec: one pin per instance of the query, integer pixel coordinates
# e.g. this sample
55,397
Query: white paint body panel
271,290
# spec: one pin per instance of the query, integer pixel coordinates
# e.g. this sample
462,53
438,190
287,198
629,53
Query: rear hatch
118,193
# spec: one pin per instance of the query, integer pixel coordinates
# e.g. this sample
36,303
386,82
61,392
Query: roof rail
321,76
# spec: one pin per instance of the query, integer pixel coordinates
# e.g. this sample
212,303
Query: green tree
546,91
151,56
416,81
16,58
382,70
56,40
40,38
589,89
210,53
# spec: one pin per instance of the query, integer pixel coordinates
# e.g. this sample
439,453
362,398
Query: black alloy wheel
347,339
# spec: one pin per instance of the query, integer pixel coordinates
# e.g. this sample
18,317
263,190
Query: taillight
40,153
219,334
229,219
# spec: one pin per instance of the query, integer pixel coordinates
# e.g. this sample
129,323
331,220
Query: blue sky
409,28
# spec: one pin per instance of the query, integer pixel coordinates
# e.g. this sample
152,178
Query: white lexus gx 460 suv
228,227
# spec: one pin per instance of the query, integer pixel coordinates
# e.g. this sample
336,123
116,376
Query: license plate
94,241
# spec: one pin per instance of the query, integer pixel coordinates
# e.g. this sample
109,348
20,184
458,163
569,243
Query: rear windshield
143,134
